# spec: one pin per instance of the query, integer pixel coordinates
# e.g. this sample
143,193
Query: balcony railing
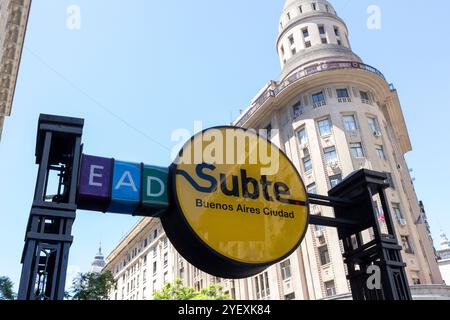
319,104
344,100
276,88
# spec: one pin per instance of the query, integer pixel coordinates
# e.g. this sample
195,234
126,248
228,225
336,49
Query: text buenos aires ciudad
242,186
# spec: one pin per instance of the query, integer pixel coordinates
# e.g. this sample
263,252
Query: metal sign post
48,237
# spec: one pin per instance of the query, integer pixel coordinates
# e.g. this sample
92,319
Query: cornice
11,51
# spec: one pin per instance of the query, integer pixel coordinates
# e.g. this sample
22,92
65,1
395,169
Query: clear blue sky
161,65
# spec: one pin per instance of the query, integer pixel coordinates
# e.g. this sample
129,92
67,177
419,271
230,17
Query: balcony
344,100
276,88
319,104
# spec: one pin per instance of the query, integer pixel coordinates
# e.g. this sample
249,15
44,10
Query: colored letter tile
95,183
126,186
155,198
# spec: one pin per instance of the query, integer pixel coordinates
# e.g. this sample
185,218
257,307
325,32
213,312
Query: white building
99,262
13,24
333,115
444,258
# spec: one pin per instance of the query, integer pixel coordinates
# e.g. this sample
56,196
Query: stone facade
331,114
13,24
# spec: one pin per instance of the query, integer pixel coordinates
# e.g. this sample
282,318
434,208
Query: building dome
445,244
310,31
99,262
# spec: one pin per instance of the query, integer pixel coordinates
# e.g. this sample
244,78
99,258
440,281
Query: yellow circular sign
241,197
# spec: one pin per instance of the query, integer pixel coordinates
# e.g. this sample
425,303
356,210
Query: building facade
331,114
13,25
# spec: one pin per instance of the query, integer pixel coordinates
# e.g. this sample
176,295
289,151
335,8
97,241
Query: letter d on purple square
95,183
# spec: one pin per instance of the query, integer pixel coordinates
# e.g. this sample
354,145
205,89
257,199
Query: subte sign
232,203
238,204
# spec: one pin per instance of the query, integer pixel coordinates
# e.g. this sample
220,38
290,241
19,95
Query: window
297,109
154,285
314,6
318,99
307,44
282,50
155,234
390,180
290,296
398,214
324,40
339,42
336,31
330,288
380,152
349,123
262,288
322,30
155,265
356,150
302,137
166,274
182,273
166,260
365,97
289,16
407,245
330,155
286,269
291,39
373,125
305,32
300,8
268,131
293,51
312,188
325,127
335,180
324,255
307,163
166,242
343,95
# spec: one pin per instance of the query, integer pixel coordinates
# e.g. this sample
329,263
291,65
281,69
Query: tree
213,292
176,291
6,289
93,286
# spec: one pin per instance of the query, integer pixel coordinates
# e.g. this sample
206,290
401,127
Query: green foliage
6,289
176,291
93,286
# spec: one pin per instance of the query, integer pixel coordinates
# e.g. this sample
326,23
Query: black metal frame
354,207
48,238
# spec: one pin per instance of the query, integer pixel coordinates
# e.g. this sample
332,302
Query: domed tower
99,262
332,114
309,32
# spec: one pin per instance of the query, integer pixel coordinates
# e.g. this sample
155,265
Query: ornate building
13,25
444,258
99,262
331,114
